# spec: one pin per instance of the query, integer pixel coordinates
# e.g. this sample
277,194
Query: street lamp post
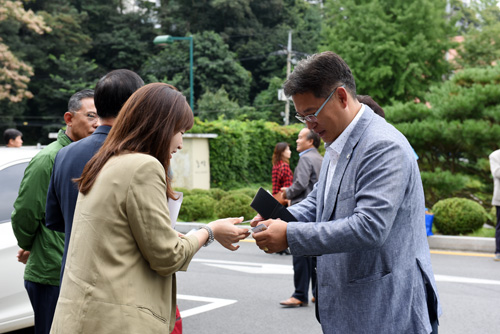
164,39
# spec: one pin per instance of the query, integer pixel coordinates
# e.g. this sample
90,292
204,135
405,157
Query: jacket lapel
344,159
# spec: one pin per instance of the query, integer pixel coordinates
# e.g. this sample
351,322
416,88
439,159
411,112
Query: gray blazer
305,175
371,236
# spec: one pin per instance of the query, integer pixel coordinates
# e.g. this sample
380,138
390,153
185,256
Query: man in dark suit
364,218
306,174
111,92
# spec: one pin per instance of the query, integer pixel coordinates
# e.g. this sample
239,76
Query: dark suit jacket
305,175
63,192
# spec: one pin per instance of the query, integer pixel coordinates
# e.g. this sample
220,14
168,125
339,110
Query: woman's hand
227,234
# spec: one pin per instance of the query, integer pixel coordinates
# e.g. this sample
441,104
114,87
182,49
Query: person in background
45,247
364,216
495,172
282,175
13,138
124,253
305,176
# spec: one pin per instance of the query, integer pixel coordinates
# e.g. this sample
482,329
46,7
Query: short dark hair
148,122
367,99
11,134
314,137
113,90
75,101
319,74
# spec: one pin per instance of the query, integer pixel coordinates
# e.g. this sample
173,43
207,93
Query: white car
15,307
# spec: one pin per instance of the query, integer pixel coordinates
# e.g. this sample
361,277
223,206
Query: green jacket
28,219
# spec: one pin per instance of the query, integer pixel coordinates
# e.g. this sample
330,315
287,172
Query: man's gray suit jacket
370,233
305,175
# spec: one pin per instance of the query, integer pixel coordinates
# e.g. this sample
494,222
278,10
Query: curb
436,242
468,244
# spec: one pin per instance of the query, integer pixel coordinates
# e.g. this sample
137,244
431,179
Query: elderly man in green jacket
42,248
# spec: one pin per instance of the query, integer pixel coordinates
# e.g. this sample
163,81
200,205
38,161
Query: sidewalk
436,242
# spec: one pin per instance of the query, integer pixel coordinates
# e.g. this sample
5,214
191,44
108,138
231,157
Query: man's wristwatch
210,235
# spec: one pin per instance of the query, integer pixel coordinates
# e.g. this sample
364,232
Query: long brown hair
146,124
278,152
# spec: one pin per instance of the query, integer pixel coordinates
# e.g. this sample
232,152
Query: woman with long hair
281,173
123,255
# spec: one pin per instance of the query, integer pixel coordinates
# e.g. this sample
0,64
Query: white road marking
266,268
457,279
213,303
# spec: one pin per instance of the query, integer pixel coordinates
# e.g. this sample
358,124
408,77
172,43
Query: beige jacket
123,255
495,171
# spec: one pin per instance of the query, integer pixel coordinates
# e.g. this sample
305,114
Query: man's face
85,120
302,142
17,142
332,119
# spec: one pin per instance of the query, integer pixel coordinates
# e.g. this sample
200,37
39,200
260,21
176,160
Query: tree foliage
480,25
454,134
214,66
15,73
395,48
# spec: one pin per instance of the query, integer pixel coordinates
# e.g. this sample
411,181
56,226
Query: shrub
235,205
250,192
455,216
195,207
217,193
184,191
203,192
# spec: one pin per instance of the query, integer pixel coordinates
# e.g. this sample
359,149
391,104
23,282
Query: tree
120,38
15,73
214,67
481,29
257,31
455,133
395,48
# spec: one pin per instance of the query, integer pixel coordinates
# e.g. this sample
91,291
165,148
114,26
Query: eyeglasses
91,116
312,118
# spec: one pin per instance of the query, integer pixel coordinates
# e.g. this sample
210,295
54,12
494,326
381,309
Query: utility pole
288,68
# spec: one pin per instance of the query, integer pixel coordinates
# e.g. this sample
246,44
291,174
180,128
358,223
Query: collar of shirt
335,148
304,152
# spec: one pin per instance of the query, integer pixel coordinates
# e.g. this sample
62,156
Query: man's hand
283,190
22,255
256,220
274,238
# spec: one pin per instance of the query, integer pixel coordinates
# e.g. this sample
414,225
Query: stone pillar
191,165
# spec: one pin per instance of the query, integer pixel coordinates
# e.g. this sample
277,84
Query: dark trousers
497,232
303,272
43,298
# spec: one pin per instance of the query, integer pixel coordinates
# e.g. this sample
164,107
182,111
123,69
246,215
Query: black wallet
269,208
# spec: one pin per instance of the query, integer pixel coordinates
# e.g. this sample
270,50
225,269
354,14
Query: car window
10,179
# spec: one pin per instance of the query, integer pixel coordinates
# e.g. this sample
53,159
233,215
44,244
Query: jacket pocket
367,279
152,313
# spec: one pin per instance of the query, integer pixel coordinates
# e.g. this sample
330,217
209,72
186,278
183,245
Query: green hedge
242,152
208,205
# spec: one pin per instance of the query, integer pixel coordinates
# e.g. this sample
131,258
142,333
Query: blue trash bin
429,218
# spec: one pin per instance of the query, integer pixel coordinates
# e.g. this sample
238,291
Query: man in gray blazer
364,218
305,176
